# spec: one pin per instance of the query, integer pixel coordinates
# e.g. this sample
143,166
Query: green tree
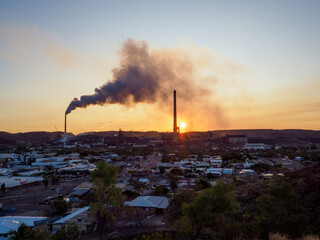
156,236
162,169
161,190
60,207
279,211
37,234
176,171
202,184
210,175
21,234
130,194
207,209
26,233
184,196
108,197
73,231
59,235
261,167
173,182
70,233
185,228
45,182
138,186
3,188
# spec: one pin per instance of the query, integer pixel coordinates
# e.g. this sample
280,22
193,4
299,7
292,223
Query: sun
183,125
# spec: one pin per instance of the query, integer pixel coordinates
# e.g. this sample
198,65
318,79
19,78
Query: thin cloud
62,55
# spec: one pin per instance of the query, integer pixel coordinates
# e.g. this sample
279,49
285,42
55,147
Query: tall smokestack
65,123
175,128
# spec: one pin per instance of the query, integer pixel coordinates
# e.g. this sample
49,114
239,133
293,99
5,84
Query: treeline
287,206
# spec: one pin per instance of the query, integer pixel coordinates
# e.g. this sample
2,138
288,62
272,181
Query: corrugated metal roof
149,201
80,191
17,181
62,220
9,223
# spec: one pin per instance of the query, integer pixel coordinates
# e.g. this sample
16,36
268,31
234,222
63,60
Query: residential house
146,205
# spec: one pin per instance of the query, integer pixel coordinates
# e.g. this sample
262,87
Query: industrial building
14,182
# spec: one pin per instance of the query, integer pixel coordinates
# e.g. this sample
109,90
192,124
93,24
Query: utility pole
35,201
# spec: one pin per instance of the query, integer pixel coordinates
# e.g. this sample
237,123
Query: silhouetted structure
65,123
175,127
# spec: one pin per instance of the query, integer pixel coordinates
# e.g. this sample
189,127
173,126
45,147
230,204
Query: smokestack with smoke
137,80
147,76
175,126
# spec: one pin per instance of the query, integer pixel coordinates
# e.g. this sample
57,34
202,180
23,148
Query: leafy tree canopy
60,207
279,211
26,233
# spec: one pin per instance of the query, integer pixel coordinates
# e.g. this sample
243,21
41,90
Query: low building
266,175
5,171
237,139
248,163
81,218
249,175
216,163
12,223
146,205
144,181
227,171
214,170
15,182
255,146
79,192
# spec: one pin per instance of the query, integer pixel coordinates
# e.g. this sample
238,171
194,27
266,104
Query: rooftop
149,201
9,223
66,218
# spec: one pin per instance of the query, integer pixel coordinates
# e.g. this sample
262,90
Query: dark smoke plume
142,77
150,77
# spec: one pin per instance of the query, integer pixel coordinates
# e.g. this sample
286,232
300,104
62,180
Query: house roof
9,223
80,191
149,201
66,218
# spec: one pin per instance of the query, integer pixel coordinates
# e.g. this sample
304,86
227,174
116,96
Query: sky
258,60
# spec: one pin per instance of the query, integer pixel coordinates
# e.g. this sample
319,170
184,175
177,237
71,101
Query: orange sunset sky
236,64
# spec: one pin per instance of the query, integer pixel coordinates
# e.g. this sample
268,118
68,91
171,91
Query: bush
176,171
279,211
60,207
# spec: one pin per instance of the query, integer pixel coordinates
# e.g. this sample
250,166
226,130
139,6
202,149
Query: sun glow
183,125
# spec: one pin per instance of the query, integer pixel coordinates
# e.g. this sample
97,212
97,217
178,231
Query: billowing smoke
150,76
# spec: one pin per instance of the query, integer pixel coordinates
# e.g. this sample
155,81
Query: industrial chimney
174,112
65,123
175,127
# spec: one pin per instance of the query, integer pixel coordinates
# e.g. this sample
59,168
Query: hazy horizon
114,130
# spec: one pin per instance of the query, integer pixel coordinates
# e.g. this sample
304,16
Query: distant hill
268,136
270,133
33,137
148,134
